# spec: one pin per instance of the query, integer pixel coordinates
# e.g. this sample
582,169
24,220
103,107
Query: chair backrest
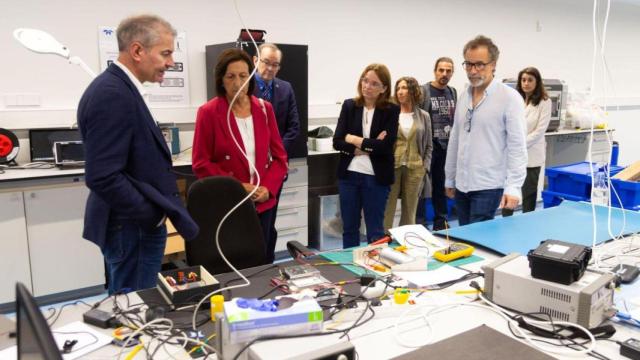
208,201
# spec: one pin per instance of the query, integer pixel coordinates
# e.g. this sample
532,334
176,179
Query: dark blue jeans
133,255
476,206
362,193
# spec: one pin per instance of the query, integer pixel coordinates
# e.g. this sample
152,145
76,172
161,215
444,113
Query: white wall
343,36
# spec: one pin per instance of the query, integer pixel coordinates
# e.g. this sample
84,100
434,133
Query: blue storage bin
629,193
429,208
573,179
552,198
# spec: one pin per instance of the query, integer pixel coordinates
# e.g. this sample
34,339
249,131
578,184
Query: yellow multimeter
453,252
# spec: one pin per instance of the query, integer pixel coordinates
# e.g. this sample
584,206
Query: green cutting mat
346,256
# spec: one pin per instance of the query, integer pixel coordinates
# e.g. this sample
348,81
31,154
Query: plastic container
629,193
552,198
573,179
558,261
600,189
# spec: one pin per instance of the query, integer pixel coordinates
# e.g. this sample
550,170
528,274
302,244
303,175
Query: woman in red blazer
255,128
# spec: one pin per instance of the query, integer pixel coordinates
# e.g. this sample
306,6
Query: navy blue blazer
128,164
380,151
286,110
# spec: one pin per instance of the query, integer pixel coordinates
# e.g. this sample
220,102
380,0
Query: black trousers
267,220
529,191
438,197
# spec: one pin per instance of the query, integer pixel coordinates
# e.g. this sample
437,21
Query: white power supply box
587,302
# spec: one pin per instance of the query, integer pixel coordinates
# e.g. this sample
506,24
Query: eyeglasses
372,84
467,123
478,65
268,63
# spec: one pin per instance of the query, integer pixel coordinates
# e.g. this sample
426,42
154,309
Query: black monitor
35,341
41,141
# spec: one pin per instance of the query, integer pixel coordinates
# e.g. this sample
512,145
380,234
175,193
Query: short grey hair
271,46
145,29
482,40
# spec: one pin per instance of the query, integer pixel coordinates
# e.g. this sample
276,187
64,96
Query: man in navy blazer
280,94
128,164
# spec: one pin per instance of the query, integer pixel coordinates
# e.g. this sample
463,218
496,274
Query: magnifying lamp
43,43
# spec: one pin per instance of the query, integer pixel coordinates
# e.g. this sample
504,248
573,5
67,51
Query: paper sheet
89,339
417,237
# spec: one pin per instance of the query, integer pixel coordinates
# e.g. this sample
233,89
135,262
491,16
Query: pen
464,292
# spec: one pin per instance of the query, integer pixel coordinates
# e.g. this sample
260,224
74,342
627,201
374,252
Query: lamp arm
77,61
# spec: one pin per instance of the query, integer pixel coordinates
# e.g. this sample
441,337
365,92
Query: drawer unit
291,218
293,197
296,234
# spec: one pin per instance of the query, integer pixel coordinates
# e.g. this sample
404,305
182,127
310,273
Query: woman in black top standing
365,136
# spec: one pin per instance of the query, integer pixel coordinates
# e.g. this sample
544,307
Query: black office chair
241,240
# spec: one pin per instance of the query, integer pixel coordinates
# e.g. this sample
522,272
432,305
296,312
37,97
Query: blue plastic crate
429,208
573,179
552,198
629,193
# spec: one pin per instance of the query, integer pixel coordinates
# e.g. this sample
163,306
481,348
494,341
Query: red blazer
215,153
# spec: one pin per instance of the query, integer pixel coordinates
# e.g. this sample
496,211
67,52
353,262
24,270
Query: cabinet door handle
32,195
294,235
289,212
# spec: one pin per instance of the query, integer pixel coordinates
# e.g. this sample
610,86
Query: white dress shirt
538,118
141,89
362,163
245,126
487,148
406,123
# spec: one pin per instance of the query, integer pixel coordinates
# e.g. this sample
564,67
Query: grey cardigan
425,146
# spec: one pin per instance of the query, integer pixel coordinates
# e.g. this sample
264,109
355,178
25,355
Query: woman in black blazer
365,136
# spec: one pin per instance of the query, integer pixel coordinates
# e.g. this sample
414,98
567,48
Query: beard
476,82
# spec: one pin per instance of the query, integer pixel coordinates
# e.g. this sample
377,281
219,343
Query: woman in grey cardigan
412,154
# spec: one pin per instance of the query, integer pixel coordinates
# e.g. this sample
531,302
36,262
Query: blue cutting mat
570,221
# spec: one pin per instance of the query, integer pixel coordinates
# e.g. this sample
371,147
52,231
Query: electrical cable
76,349
55,315
529,340
602,41
251,167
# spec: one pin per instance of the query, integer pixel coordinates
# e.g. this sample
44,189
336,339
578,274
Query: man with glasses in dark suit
487,154
280,94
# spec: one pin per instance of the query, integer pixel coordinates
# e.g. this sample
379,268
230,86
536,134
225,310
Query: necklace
367,112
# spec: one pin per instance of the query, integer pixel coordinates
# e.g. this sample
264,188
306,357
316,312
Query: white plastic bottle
600,190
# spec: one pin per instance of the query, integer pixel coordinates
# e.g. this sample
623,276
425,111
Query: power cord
249,195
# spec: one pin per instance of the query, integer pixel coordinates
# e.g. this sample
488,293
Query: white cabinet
299,234
61,260
292,218
15,249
